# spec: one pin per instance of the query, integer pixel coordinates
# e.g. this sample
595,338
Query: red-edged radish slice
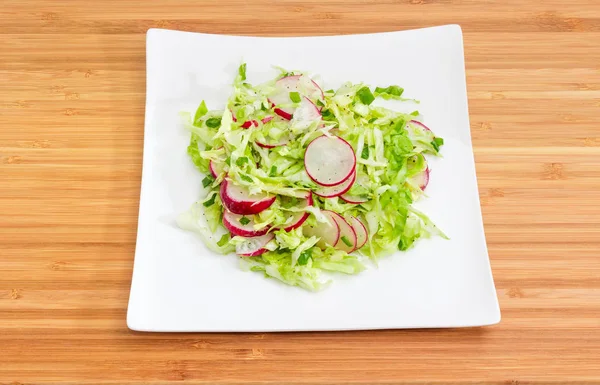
295,83
238,200
300,218
235,224
284,113
266,144
355,200
347,241
362,235
334,191
310,88
254,246
421,125
272,145
329,232
249,123
302,84
422,179
307,112
216,168
329,161
363,180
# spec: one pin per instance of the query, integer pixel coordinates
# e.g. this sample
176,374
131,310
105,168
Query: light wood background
71,121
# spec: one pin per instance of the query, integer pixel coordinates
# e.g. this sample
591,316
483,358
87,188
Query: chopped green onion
210,202
346,241
213,123
246,178
436,143
207,181
365,152
295,97
304,257
273,171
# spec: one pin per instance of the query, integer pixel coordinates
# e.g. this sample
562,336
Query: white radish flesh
306,113
295,83
422,179
334,191
329,232
238,200
254,246
329,161
241,225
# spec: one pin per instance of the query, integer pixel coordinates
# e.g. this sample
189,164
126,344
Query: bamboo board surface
72,89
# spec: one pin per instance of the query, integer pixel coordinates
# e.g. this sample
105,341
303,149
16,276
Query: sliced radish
254,246
334,191
362,235
216,168
241,225
282,141
300,218
421,125
329,232
249,123
347,241
295,83
362,180
329,161
273,145
307,112
353,199
284,113
422,179
238,200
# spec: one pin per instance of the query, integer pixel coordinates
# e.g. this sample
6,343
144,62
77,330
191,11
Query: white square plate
179,285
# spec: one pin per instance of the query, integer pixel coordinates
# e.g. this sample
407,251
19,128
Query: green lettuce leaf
391,92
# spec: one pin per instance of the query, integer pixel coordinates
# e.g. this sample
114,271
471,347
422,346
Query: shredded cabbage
264,153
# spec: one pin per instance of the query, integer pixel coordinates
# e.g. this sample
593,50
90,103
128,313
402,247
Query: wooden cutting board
72,83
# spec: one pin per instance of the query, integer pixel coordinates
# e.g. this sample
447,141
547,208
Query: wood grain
71,126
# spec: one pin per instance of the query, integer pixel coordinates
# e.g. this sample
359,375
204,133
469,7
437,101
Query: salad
300,181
